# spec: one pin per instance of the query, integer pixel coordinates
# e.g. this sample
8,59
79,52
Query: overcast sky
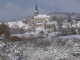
14,9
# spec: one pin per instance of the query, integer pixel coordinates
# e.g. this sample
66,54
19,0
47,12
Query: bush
4,31
60,41
17,30
29,37
42,44
70,31
76,54
15,38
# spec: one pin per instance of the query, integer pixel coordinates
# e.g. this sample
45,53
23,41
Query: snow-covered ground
71,36
25,35
52,34
28,51
55,48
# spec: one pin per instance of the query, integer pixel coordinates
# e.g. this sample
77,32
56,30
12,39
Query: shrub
29,37
42,44
4,31
60,41
17,30
76,54
15,38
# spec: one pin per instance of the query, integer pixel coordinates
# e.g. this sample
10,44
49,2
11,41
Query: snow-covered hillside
55,48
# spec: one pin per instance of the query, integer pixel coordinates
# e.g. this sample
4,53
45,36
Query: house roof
40,28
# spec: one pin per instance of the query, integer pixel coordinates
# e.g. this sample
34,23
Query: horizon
10,9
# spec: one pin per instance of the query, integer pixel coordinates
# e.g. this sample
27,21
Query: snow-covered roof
41,15
64,23
40,28
76,44
73,25
53,22
50,23
12,23
25,26
63,26
39,23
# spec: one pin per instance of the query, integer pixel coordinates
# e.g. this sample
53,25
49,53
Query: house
10,24
20,24
40,29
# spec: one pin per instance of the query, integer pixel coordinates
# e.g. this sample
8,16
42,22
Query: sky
14,9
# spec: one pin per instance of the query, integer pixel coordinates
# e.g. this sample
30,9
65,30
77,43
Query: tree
4,31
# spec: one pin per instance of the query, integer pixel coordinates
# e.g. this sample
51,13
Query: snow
51,34
11,23
78,24
26,34
20,24
63,26
1,44
55,51
50,23
74,26
25,27
28,51
39,29
41,16
38,23
71,36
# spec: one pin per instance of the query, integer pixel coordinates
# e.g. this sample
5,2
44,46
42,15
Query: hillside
41,49
54,16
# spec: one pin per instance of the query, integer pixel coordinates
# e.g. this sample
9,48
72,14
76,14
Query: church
42,20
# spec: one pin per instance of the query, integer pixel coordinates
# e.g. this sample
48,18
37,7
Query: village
52,36
64,25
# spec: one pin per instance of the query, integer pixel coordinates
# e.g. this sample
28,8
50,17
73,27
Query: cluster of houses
43,22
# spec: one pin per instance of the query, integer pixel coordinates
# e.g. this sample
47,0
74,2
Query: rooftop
41,15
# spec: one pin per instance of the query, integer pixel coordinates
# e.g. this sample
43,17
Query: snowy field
52,34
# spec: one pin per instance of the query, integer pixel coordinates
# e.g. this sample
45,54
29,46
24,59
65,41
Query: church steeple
36,11
69,19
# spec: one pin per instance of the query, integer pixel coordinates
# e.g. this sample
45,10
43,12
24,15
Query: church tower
36,11
69,19
70,22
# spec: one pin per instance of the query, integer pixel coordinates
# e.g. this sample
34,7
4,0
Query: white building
10,24
40,29
20,24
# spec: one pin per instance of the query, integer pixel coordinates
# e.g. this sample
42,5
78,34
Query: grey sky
14,9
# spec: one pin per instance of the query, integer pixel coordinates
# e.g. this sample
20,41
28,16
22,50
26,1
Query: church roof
41,15
36,9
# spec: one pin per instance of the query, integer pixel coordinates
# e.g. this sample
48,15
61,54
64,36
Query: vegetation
17,30
4,31
42,43
15,38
